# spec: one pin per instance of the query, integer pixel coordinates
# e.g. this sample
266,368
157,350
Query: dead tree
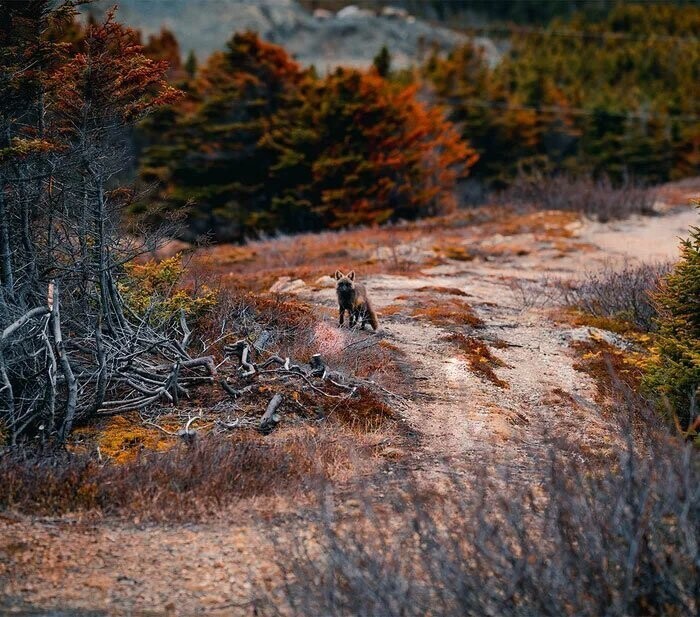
71,347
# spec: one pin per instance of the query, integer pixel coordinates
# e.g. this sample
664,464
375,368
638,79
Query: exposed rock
325,281
285,284
351,37
586,334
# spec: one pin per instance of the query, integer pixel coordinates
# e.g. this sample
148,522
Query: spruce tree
674,376
191,64
382,62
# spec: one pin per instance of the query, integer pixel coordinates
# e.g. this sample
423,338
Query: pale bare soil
462,419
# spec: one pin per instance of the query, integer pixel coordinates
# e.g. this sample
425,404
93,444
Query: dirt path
462,416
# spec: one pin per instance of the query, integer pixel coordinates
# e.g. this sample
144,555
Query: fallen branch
270,419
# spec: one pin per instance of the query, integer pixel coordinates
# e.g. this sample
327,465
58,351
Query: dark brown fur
352,297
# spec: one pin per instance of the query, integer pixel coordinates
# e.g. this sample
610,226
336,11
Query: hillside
352,40
458,422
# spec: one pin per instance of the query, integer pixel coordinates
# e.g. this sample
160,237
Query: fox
352,297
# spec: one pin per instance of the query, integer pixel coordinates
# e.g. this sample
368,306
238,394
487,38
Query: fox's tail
372,317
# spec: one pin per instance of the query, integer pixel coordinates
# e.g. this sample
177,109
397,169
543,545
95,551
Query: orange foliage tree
266,146
379,153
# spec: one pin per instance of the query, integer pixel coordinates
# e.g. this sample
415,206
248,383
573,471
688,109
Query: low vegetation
620,296
479,357
620,540
597,199
189,481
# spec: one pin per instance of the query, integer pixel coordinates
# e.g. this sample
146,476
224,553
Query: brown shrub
621,294
616,539
365,412
479,358
186,482
597,199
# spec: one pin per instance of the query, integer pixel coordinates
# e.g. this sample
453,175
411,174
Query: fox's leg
341,319
353,318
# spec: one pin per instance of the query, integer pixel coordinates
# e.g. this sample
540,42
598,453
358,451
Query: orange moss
609,366
450,291
456,252
480,358
388,311
124,438
447,312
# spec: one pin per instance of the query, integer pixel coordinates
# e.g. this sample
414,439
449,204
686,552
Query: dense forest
617,96
260,144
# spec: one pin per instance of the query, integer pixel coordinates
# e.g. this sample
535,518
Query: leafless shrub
598,199
585,541
620,293
535,293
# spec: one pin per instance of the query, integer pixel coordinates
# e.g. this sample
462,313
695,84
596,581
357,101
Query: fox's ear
338,274
351,275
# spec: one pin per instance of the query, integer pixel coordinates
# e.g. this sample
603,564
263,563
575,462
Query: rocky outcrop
350,37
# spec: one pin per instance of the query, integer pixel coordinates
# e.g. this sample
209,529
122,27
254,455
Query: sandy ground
126,568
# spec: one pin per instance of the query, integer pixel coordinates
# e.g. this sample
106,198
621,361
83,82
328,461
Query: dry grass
187,482
446,312
597,199
543,224
364,413
616,539
479,358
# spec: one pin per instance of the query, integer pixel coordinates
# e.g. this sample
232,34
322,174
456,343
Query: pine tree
191,64
211,151
674,375
265,146
382,62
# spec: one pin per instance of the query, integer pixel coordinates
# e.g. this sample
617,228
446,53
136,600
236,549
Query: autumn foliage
616,96
263,145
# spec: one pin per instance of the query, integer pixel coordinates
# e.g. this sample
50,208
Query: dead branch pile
283,374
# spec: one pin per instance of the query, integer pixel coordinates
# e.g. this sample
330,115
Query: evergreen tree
617,97
674,375
382,62
191,64
265,146
208,153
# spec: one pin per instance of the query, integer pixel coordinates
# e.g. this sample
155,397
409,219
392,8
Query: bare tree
71,347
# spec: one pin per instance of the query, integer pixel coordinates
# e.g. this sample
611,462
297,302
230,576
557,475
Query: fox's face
345,283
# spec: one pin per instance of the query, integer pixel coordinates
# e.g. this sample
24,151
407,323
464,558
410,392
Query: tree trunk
8,282
66,369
